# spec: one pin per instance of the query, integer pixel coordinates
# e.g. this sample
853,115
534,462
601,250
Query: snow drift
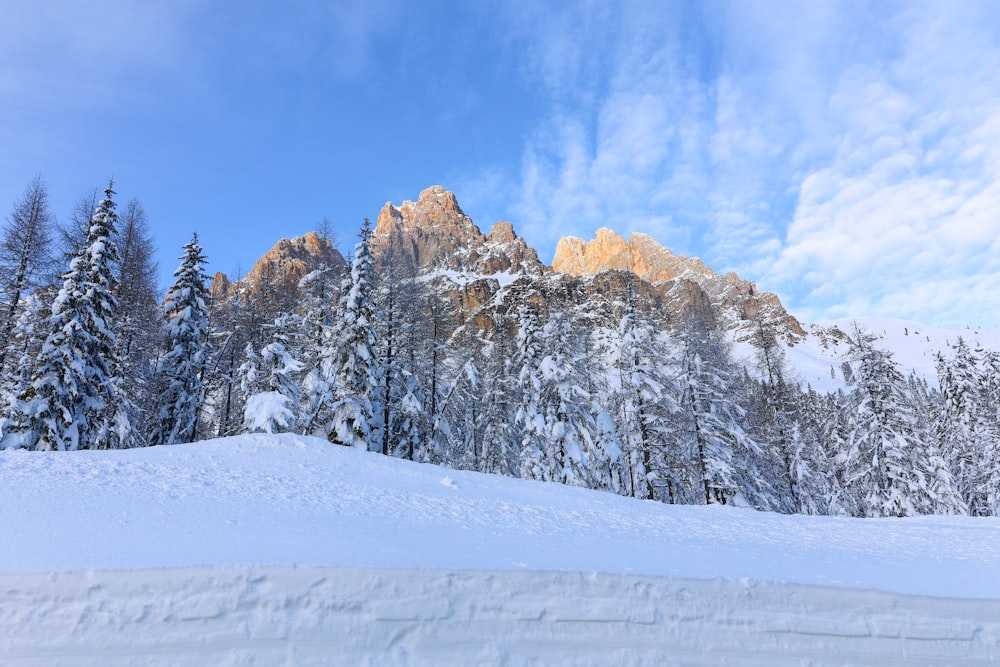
260,547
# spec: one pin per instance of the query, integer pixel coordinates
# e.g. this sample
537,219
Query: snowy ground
281,548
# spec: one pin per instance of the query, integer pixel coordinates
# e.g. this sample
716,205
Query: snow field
288,550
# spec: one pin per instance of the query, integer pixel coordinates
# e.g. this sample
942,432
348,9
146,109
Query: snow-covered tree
355,368
186,348
24,257
270,382
569,427
498,400
644,401
535,461
26,339
711,423
968,431
72,402
886,464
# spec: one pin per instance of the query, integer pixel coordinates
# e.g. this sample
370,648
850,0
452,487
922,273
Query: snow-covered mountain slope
816,359
234,514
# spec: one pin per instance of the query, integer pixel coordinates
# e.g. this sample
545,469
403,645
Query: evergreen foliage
72,401
186,344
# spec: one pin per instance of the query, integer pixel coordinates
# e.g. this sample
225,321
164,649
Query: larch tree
25,257
186,350
137,327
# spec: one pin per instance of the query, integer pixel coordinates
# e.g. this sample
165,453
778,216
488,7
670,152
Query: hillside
243,547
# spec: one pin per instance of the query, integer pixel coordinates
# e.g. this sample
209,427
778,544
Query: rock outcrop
434,233
281,268
737,301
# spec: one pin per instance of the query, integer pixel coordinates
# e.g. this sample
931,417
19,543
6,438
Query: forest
604,394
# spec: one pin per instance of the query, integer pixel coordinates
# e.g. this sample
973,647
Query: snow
463,278
121,546
914,346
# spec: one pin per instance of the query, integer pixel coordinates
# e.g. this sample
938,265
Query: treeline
600,394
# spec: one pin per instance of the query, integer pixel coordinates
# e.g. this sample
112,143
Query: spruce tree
180,371
355,364
72,401
535,459
886,463
270,381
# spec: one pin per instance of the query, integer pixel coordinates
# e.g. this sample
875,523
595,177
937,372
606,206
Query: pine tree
72,402
186,345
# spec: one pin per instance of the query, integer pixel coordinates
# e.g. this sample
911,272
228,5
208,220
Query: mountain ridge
433,236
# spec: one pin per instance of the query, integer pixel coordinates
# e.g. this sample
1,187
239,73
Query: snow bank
359,616
289,549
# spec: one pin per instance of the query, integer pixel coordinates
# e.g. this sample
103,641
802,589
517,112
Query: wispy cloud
843,155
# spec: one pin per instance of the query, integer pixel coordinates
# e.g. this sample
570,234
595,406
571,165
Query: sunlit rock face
434,233
483,278
737,302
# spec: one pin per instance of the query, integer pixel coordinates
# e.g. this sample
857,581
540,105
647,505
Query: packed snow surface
292,500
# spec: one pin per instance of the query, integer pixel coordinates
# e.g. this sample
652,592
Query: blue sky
844,155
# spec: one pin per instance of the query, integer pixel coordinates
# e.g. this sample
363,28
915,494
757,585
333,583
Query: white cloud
901,217
845,156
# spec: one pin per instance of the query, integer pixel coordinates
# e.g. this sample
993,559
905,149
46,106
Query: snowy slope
230,516
913,345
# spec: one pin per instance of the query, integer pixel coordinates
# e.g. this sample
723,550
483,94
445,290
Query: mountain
477,272
434,233
486,275
281,268
738,302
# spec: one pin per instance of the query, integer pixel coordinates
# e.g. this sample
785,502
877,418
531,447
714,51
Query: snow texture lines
358,616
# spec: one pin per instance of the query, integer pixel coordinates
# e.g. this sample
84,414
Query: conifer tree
535,460
186,345
500,397
270,381
885,463
712,426
72,402
644,403
355,363
569,428
24,256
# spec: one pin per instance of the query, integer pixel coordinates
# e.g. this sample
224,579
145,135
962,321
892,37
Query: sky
844,155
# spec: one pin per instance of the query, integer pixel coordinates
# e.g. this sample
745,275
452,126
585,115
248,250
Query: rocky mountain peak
281,268
737,301
434,233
